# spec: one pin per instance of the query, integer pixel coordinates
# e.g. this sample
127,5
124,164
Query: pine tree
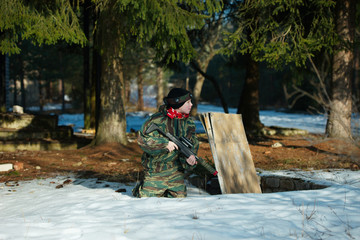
164,24
279,33
42,22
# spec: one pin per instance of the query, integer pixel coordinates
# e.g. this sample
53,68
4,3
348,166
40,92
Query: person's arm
152,143
191,134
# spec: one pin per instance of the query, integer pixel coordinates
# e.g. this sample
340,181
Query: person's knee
174,194
146,192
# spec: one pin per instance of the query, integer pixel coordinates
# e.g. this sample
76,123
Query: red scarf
172,113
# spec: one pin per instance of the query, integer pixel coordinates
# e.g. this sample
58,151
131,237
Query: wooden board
231,153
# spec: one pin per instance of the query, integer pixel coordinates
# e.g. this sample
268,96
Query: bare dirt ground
115,162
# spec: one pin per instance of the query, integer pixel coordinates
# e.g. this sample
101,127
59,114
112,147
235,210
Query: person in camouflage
163,165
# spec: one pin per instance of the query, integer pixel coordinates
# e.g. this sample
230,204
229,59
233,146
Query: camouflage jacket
156,157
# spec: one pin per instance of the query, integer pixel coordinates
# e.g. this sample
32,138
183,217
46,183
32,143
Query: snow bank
92,209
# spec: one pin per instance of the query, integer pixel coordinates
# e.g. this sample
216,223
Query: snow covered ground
92,209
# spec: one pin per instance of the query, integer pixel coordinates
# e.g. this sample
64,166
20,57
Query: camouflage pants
168,183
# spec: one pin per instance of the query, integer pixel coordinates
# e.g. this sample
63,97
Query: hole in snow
268,184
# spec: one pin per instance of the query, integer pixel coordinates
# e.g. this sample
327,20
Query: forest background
291,55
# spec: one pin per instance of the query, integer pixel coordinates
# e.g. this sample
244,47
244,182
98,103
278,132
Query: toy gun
185,146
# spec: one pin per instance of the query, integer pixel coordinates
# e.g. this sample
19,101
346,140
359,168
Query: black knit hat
177,97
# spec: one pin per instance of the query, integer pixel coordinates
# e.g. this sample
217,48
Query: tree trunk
22,82
41,94
215,84
127,89
2,84
62,82
48,95
160,87
95,79
339,119
15,92
86,68
140,87
357,79
112,119
200,79
249,100
95,89
187,79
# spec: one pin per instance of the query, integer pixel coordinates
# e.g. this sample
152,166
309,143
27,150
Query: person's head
179,99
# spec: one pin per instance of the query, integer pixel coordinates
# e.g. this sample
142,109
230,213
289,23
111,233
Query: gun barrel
207,166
